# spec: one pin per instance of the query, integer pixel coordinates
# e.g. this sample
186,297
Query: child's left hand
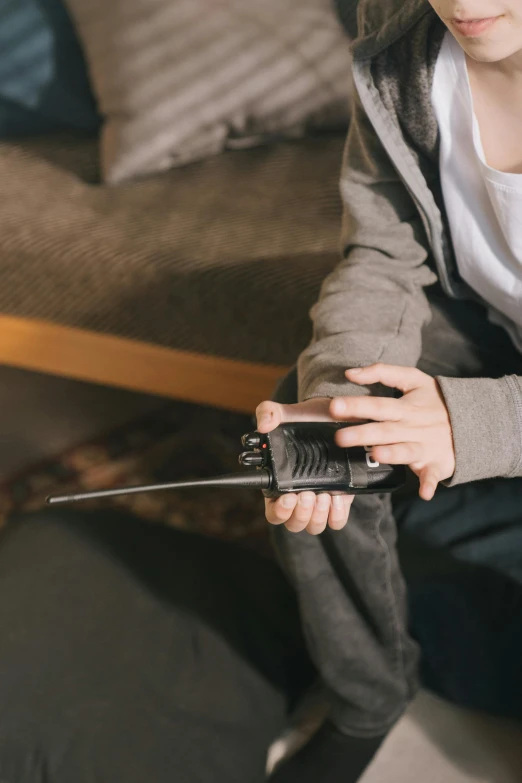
414,430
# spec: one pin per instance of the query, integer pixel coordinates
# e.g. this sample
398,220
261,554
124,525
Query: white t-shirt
483,205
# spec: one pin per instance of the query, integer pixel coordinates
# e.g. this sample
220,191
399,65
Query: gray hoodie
396,241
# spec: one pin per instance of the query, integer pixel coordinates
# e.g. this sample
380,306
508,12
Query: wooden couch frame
129,364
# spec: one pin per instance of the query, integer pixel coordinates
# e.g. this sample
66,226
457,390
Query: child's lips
472,28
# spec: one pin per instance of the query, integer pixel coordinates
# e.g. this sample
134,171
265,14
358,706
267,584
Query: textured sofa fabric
222,257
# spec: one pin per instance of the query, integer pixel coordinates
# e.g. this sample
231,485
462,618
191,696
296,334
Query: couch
193,284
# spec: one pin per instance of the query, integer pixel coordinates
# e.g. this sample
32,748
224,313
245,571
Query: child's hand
305,511
414,430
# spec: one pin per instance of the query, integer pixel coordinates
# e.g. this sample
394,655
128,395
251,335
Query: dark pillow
43,78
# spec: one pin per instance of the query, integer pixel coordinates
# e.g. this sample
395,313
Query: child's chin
491,48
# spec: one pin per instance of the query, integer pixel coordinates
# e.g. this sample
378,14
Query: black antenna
258,479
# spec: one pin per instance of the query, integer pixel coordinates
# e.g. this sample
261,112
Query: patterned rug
179,441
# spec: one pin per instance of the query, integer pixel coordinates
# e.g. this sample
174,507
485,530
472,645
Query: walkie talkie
294,457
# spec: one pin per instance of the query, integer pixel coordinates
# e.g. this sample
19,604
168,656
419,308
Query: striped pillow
179,80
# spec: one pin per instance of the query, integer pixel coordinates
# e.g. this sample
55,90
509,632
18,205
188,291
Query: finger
270,414
279,511
374,408
319,518
339,511
398,454
347,501
302,513
404,378
428,482
379,434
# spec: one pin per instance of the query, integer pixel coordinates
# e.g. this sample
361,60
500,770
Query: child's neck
510,67
497,99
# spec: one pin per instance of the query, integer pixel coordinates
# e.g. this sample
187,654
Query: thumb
271,414
428,482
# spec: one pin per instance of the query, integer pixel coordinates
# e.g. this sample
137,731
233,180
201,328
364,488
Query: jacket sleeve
486,421
372,307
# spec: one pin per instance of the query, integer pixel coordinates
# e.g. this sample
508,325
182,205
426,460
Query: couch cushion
222,257
181,80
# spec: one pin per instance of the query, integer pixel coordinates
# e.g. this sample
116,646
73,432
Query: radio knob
251,459
252,440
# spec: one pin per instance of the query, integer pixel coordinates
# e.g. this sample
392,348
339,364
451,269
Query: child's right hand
303,511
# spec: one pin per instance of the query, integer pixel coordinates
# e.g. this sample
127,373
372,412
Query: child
432,188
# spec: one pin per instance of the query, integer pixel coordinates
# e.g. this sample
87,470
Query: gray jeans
349,583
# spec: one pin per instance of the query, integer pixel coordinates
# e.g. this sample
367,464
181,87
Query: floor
44,415
434,742
438,743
